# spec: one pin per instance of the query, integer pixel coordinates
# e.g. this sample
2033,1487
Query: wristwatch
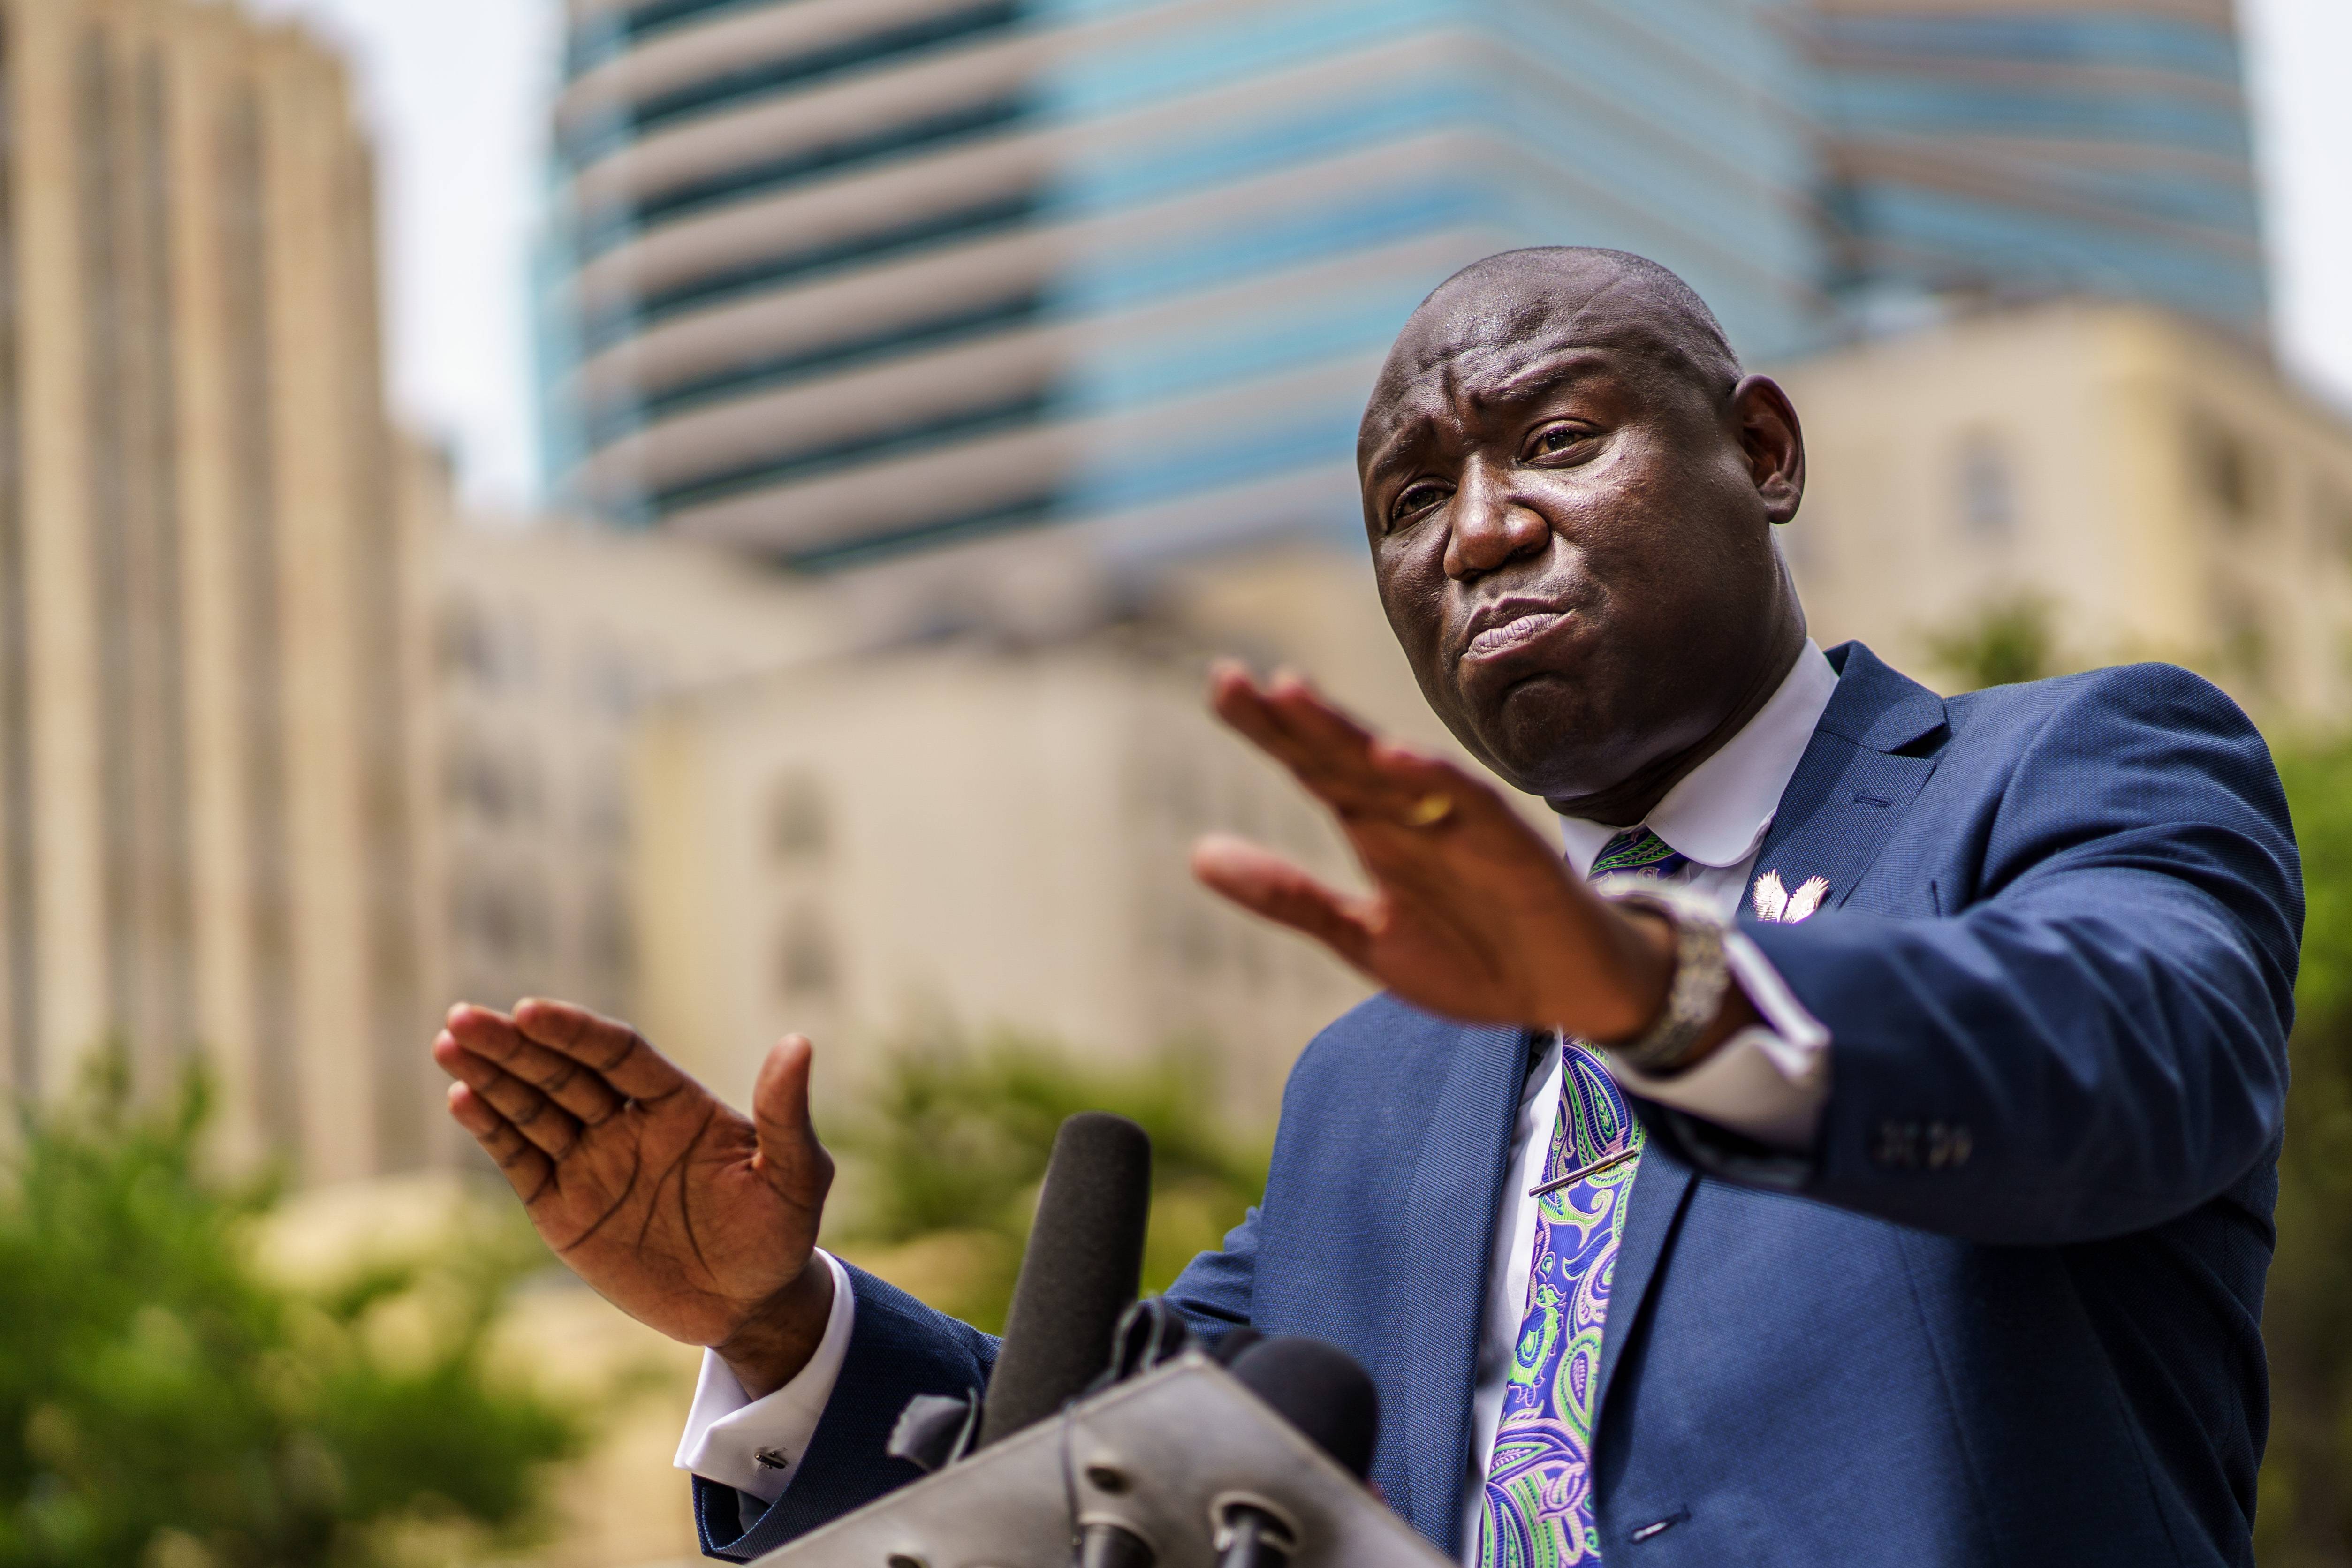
1702,974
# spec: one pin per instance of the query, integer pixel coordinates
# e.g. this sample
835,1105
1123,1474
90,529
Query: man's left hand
1472,915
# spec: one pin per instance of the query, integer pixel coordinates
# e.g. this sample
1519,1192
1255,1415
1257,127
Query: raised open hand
1472,915
682,1212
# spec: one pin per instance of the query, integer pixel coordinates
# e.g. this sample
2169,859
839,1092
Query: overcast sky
456,90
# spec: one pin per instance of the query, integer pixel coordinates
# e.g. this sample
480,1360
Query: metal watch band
1702,974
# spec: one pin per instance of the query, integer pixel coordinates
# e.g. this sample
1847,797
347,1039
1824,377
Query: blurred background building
551,642
993,833
930,388
214,834
976,360
2141,482
835,279
2007,149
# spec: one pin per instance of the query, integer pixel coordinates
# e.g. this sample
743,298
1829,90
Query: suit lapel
1855,799
1839,811
1851,789
1456,1192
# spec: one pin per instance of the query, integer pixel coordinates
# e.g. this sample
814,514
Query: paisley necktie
1538,1510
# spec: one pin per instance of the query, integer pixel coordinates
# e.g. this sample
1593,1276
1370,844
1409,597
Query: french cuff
756,1445
1768,1082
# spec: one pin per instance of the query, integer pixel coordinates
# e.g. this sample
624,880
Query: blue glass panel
2082,38
749,81
1888,102
610,228
932,430
1985,242
834,257
921,336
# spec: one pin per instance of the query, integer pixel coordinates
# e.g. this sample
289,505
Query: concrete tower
212,789
2020,150
835,279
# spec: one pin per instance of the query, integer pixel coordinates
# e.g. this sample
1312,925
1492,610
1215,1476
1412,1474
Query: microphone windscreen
1084,1263
1321,1390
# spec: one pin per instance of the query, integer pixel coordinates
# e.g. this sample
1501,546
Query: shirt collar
1718,815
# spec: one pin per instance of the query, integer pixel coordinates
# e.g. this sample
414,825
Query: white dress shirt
1768,1083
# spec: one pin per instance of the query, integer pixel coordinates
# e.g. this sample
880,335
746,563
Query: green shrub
2305,1520
948,1158
165,1404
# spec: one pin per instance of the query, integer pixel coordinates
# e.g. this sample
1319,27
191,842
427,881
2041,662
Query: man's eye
1415,500
1557,440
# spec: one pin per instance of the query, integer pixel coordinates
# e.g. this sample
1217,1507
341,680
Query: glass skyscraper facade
2007,148
832,280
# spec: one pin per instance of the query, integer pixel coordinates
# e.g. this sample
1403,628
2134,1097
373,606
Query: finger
1434,793
1316,719
1266,884
565,1080
530,1112
1320,748
616,1052
524,1164
790,1154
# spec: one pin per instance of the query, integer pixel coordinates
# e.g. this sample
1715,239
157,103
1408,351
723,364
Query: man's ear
1775,443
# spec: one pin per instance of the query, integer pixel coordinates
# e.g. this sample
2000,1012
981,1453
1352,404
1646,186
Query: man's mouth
1525,628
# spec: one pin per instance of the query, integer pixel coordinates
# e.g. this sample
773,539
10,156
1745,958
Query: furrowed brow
1548,374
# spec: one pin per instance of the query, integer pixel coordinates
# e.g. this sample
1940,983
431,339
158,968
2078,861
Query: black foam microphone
1319,1389
1084,1263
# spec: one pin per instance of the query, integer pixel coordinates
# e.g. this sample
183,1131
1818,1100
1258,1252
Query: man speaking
1859,1150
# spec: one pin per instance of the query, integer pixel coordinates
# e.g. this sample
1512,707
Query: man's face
1569,536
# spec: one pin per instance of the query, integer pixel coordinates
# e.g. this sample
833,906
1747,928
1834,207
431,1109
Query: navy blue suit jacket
2005,1310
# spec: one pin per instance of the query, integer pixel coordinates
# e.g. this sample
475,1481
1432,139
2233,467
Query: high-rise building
212,810
828,279
2012,148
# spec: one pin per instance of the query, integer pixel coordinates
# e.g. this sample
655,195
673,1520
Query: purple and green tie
1538,1510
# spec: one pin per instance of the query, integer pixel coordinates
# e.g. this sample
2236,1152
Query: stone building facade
213,826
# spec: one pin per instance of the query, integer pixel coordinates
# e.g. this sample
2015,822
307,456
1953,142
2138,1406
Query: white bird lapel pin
1775,905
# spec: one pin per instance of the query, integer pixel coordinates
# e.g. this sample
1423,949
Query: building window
608,944
604,810
2229,474
1988,487
505,919
465,642
495,652
497,789
2333,517
805,968
800,825
609,684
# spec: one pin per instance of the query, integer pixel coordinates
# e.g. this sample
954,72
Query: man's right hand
677,1209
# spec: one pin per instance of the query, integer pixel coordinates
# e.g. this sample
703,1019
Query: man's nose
1490,529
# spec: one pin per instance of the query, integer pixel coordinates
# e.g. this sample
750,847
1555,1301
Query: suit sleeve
2098,1044
900,1348
1213,1291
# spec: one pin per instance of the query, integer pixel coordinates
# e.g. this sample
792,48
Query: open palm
1471,914
684,1213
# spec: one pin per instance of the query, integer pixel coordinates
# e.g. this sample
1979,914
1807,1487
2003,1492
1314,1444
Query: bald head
1537,304
1569,489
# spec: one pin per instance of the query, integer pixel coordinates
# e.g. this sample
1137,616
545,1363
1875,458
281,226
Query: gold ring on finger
1429,810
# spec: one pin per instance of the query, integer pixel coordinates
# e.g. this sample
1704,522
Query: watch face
1701,973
